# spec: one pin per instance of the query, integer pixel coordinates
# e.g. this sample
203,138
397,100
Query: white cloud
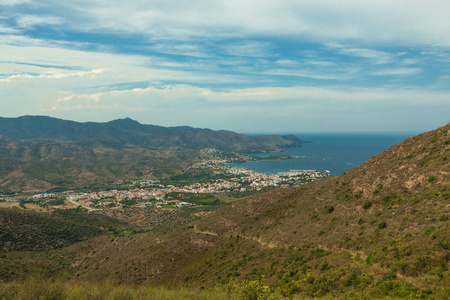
57,75
379,57
402,22
256,109
229,46
306,74
406,22
246,49
7,30
412,61
265,94
27,21
398,71
185,49
13,2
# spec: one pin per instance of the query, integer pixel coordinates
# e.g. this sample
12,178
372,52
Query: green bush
382,225
255,290
367,204
329,209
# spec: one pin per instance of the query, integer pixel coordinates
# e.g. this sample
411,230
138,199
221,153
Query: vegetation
381,230
358,285
55,202
200,199
39,288
33,231
194,176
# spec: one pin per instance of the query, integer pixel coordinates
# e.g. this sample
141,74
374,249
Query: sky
249,66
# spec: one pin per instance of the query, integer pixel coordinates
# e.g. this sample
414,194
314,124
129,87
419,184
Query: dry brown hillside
382,229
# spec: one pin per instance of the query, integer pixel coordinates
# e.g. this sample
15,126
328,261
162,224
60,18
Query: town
156,194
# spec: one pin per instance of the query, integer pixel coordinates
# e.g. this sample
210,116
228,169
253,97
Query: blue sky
247,66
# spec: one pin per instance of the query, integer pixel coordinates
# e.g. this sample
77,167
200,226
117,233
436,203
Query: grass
358,285
38,288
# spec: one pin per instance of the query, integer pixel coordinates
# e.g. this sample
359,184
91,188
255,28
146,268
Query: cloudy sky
241,65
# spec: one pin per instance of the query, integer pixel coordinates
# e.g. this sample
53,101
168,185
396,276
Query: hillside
41,166
380,229
32,231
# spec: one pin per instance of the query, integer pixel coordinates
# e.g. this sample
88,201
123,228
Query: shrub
379,187
444,244
382,225
367,204
430,229
443,218
255,290
329,209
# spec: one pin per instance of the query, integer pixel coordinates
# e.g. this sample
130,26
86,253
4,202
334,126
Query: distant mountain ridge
130,132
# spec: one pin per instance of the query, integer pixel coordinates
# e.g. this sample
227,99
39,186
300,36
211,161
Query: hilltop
380,230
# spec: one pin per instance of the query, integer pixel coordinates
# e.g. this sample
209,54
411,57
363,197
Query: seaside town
154,193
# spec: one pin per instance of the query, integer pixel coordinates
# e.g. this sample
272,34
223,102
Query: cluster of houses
144,194
242,180
151,192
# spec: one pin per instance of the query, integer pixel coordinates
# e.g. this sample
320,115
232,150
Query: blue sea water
336,153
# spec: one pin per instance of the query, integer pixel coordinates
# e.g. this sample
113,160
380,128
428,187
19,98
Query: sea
333,153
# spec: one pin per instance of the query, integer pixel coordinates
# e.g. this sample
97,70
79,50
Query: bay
335,153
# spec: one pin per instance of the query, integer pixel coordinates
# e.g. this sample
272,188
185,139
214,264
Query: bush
367,204
255,290
329,209
382,225
443,218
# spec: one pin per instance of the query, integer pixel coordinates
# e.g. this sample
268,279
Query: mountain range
127,132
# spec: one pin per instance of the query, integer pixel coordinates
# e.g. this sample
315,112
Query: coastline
335,153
